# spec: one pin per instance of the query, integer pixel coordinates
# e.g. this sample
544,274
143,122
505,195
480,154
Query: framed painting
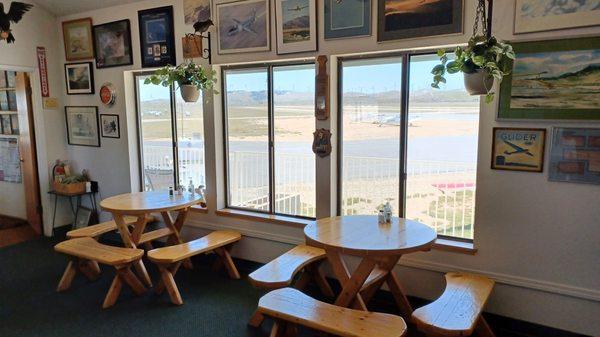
347,18
112,42
78,39
575,155
110,126
296,26
402,19
553,80
542,15
196,10
243,26
79,78
518,149
82,125
157,37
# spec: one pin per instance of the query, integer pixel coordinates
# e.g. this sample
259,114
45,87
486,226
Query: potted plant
189,77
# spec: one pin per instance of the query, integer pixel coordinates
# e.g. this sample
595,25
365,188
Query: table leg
387,264
399,294
351,284
128,241
176,226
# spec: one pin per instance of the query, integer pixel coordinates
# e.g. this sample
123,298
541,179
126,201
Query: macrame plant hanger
483,18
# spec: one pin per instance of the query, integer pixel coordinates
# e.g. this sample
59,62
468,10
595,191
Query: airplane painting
243,26
518,149
296,26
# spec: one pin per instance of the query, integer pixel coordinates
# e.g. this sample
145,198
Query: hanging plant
189,77
481,61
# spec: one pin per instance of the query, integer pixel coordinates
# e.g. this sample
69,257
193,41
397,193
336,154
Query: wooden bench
169,259
86,253
95,231
458,311
282,271
290,306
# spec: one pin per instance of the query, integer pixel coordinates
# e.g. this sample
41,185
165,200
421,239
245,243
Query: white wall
538,239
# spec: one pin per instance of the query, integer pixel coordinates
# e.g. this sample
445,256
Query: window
160,112
269,114
404,142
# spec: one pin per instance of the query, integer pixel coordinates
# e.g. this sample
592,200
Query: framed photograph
112,42
575,155
542,15
80,78
3,100
553,80
82,125
110,126
347,18
296,26
6,124
402,19
12,100
157,37
518,149
82,217
79,42
243,26
196,10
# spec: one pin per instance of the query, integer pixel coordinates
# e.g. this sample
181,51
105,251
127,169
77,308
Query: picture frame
540,16
418,19
78,39
157,37
82,125
112,42
79,78
575,155
83,216
347,19
296,26
196,10
14,123
518,149
6,125
541,85
243,26
110,126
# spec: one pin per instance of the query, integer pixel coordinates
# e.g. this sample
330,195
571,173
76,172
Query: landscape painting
243,26
296,26
196,10
398,19
554,84
347,18
543,15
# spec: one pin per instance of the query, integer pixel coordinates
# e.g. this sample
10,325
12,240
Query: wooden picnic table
380,246
142,205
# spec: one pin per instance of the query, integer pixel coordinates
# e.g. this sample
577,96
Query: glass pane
248,138
442,151
371,135
190,137
294,111
154,104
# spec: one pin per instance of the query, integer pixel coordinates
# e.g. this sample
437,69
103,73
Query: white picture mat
296,47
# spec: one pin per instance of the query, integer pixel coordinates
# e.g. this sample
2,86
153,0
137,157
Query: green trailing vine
183,74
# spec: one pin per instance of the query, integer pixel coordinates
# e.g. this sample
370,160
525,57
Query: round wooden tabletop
363,235
148,202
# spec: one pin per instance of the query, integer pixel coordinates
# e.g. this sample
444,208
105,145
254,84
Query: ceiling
66,7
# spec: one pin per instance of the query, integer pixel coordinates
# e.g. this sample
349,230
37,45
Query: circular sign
108,94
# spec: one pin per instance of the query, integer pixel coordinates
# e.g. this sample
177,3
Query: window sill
199,209
454,246
266,218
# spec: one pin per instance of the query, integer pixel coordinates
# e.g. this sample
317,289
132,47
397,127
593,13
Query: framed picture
401,19
79,78
82,125
243,26
157,37
518,149
196,10
112,42
296,26
575,155
556,80
110,126
12,100
347,18
79,43
82,217
542,15
6,124
14,123
3,100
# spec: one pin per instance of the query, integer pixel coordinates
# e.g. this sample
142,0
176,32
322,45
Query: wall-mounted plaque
322,89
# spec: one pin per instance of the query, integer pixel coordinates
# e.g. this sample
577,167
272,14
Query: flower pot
479,82
189,93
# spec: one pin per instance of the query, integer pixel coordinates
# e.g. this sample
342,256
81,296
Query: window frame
406,57
268,67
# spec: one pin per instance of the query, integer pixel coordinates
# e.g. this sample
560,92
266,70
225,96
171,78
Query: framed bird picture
78,39
157,37
14,15
518,149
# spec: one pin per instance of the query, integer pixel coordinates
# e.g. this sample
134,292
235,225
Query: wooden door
28,152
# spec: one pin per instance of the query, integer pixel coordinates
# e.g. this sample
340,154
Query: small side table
74,208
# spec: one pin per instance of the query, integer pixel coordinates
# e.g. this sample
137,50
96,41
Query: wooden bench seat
290,306
457,312
168,259
95,231
86,253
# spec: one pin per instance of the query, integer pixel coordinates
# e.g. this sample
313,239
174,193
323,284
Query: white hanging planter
479,82
189,93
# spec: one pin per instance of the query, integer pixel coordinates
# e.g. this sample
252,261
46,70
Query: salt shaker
381,217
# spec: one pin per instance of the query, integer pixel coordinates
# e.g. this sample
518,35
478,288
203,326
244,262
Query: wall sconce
193,42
